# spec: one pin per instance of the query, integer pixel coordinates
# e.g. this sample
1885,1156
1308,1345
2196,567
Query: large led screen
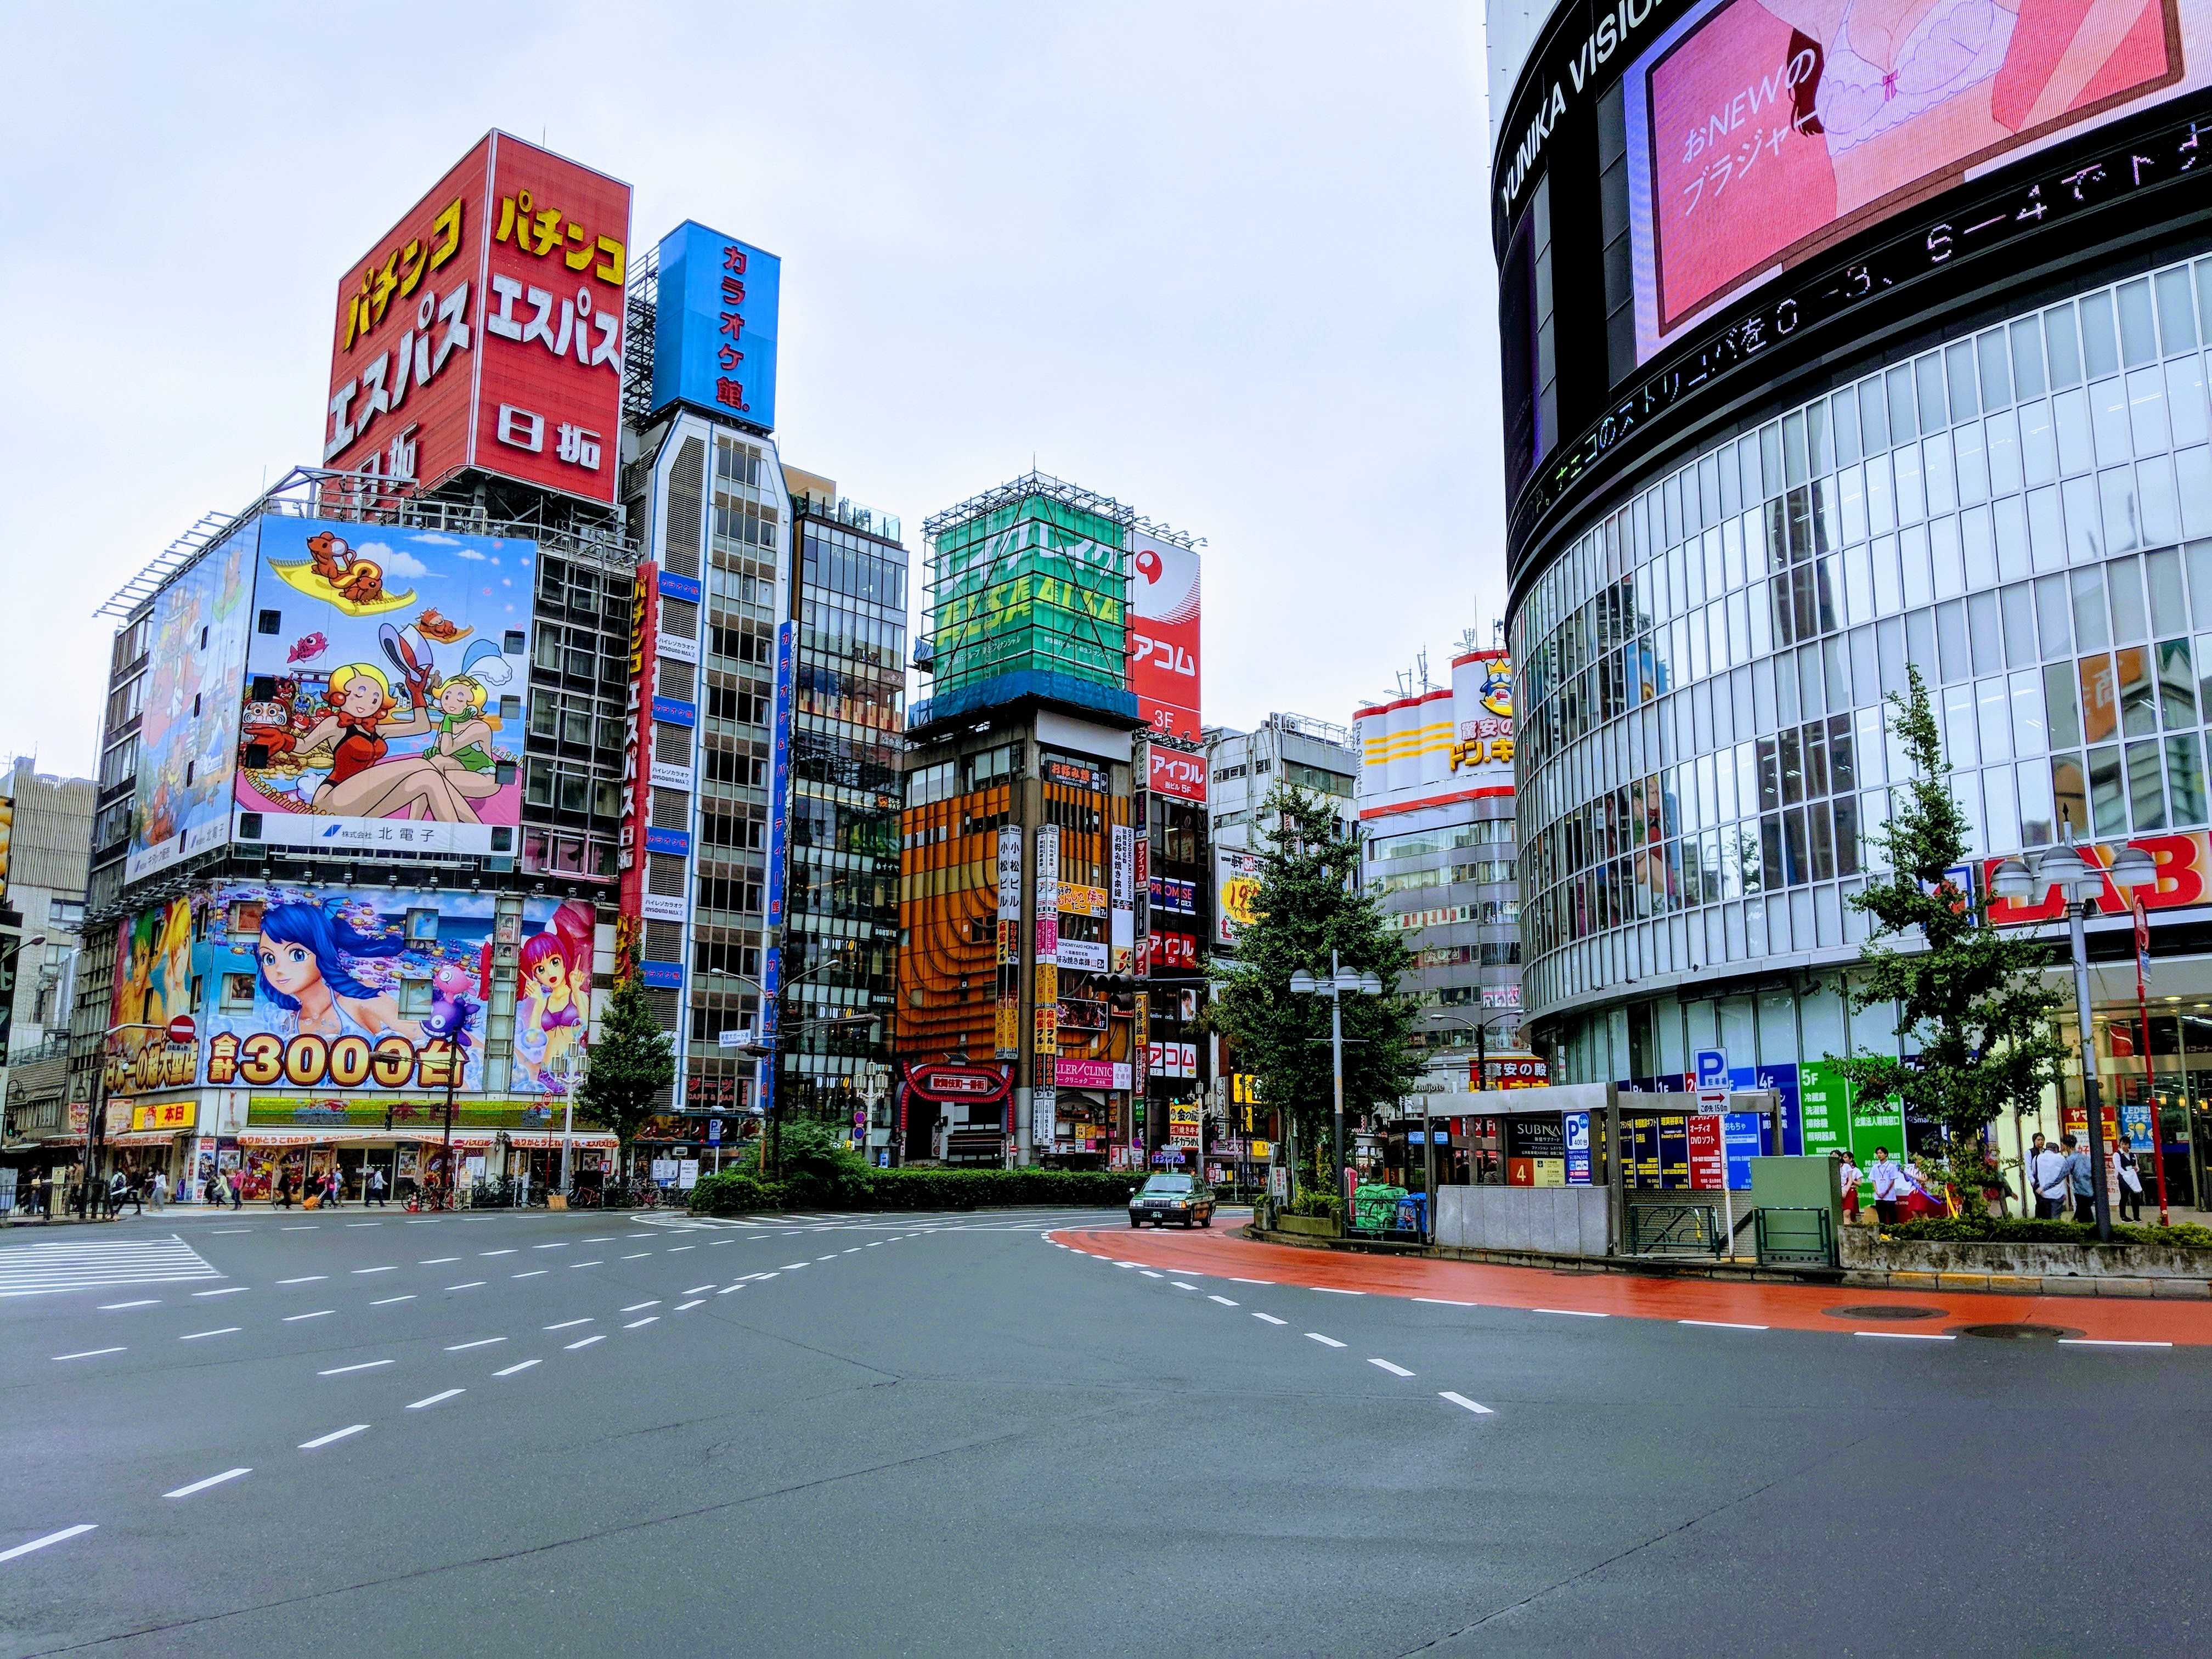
1761,131
376,668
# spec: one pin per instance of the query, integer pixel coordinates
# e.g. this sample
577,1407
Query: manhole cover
1886,1310
2016,1333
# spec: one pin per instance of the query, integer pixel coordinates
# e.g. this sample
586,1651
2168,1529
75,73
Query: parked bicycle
430,1198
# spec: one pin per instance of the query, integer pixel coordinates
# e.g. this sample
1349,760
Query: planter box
1860,1249
1313,1226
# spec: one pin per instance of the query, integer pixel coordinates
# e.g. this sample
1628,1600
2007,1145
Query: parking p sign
1712,1069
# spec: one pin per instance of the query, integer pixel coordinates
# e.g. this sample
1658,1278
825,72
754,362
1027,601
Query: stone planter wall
1310,1226
2127,1270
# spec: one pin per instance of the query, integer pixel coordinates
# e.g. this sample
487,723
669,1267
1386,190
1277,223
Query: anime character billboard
153,986
377,665
340,989
188,711
1760,131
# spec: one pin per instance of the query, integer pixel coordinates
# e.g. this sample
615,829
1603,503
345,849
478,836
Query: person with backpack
373,1187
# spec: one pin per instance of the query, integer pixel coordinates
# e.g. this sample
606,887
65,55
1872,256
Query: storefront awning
146,1137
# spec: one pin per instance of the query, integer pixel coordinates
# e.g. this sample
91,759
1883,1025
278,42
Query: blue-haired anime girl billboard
376,666
333,990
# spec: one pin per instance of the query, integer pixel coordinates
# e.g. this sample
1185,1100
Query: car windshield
1168,1184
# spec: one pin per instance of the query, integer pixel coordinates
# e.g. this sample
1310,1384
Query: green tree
1310,905
1970,997
630,1065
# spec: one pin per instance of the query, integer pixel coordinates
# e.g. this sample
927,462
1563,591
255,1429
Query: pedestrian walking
334,1188
284,1190
2079,1180
154,1193
373,1188
1891,1185
2047,1175
1848,1176
2128,1177
237,1188
118,1188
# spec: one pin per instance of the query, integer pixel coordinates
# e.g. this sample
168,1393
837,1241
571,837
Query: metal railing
1674,1229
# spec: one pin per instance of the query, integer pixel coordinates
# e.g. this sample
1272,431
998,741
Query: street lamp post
2078,881
1335,987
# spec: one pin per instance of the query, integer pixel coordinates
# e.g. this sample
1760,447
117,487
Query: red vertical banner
1708,1162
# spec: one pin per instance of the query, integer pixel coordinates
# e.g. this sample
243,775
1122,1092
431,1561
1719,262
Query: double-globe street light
2079,881
1341,982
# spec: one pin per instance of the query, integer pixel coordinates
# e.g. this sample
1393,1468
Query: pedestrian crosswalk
72,1264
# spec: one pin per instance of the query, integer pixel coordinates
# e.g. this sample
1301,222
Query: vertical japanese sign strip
1007,1035
1124,896
1044,1064
778,813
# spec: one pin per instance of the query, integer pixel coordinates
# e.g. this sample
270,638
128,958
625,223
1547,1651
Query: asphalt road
579,1434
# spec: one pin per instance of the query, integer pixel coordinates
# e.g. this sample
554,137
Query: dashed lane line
2106,1342
418,1405
1445,1302
366,1365
480,1342
1222,1300
1910,1336
1571,1313
227,1330
319,1313
512,1370
51,1538
304,1279
1271,1319
634,1323
568,1324
334,1434
586,1343
228,1289
683,1307
1721,1324
212,1480
1394,1370
90,1353
385,1302
1461,1401
471,1284
144,1302
1328,1341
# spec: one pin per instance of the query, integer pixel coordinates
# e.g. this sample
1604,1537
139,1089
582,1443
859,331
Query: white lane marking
1179,1285
511,1369
638,1307
2106,1342
90,1353
1251,1281
367,1366
855,1250
144,1302
535,1273
647,1320
587,1264
695,1289
1908,1336
202,1486
510,1250
1461,1399
1720,1324
364,1223
319,1313
1571,1313
793,1267
638,1256
304,1279
1149,1274
229,1290
220,1231
376,1270
586,1343
1222,1300
1394,1370
675,1248
1443,1302
309,1228
386,1301
1328,1289
471,1284
480,1342
1271,1319
637,1234
418,1405
227,1330
338,1434
51,1538
436,1260
600,1238
682,1306
1315,1336
568,1324
562,1245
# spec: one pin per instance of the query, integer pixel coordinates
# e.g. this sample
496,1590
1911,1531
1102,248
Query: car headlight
1177,1204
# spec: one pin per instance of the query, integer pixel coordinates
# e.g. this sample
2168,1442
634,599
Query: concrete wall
1561,1221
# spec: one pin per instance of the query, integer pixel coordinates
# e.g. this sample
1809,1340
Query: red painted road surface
1222,1254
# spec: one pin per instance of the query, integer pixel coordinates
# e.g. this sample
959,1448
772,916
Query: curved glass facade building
1822,437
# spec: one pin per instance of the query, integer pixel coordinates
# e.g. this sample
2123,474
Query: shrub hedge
854,1186
2010,1230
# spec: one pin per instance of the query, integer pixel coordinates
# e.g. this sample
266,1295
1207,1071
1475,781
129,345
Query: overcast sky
1230,264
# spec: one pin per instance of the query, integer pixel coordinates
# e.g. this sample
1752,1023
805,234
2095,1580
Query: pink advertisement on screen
1761,131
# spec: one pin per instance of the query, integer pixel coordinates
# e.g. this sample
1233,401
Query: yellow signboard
1262,1150
1076,901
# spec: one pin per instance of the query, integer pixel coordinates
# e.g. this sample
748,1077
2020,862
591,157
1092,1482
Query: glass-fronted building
1785,471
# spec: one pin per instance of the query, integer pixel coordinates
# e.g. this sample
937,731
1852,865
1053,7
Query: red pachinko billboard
1163,634
485,329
